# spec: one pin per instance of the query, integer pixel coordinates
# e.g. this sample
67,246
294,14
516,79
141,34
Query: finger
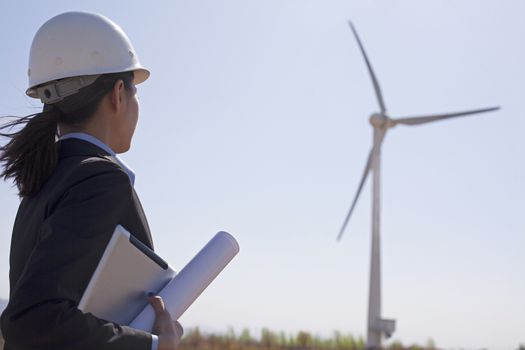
157,303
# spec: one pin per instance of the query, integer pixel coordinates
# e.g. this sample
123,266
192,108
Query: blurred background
255,121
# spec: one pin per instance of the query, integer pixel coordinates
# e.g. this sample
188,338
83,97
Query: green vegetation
194,339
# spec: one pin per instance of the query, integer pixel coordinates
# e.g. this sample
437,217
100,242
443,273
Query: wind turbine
381,122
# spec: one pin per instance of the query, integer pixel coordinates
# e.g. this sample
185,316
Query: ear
117,95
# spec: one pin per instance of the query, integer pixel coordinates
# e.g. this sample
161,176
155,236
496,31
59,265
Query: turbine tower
381,122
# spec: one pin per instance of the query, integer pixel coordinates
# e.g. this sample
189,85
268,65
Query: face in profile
126,119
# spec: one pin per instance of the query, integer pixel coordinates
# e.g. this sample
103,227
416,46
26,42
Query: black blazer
58,238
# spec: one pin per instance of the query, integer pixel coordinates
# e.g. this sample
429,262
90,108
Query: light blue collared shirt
154,342
129,171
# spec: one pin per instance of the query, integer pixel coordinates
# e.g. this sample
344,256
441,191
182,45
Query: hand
169,331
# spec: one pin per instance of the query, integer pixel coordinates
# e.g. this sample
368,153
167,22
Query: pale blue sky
255,121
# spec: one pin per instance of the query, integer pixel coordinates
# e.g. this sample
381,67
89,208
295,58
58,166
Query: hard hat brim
140,75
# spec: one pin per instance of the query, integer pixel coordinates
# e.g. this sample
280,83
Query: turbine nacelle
381,121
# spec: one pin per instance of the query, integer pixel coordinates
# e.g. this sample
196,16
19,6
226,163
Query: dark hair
31,154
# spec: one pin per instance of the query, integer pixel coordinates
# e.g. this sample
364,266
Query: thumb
178,329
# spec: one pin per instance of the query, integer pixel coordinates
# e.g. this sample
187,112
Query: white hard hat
75,44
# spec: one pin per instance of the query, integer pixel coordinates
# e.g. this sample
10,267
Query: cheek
135,112
129,120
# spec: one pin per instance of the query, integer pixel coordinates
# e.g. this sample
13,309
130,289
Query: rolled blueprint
192,280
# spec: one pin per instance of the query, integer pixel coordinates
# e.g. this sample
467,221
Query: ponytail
31,154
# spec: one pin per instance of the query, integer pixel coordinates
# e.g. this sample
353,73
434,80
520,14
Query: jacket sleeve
42,312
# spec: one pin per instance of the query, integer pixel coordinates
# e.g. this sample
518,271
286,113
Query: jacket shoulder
82,173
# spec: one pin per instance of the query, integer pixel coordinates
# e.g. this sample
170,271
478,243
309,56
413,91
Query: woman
74,190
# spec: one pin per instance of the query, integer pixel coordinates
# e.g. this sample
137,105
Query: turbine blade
361,184
378,141
370,70
433,118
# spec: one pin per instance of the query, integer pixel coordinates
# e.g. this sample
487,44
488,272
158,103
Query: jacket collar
76,147
85,145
